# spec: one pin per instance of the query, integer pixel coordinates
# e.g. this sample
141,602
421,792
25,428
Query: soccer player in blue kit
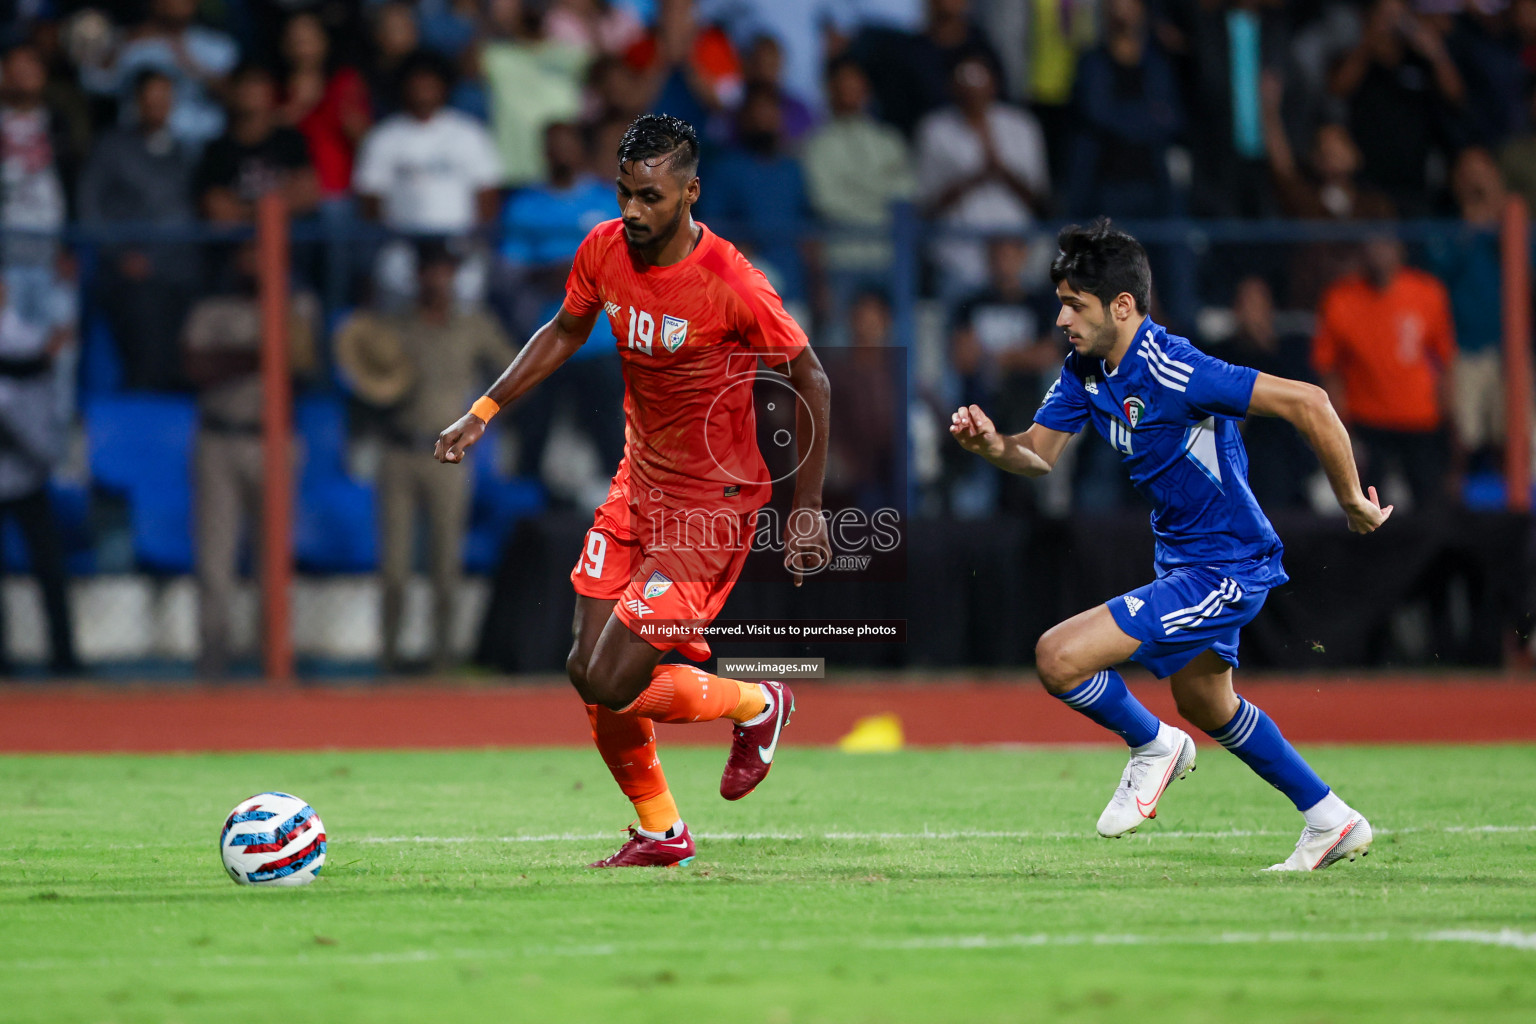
1172,413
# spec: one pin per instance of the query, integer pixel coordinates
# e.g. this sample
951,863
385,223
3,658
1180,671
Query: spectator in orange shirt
1385,350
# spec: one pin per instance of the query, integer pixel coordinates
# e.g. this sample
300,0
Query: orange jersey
690,336
1390,345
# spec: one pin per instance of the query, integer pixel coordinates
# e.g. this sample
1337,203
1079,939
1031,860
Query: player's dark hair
651,136
1103,261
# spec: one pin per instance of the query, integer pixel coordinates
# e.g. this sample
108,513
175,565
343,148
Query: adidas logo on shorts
1134,604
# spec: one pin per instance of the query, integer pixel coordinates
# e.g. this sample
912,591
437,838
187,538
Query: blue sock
1253,736
1105,699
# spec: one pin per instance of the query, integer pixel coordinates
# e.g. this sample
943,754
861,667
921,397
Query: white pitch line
1508,938
856,837
586,837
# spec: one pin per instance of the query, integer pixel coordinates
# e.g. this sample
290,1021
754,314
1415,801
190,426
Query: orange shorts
664,568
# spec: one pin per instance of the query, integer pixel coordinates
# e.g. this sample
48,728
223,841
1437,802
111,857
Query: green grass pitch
941,885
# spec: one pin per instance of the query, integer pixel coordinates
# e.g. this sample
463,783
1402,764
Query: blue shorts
1187,612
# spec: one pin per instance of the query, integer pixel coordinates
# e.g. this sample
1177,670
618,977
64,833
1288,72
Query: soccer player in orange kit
692,318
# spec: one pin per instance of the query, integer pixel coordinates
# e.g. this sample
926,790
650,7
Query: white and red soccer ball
273,839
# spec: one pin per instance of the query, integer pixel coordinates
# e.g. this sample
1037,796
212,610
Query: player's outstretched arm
1032,453
550,346
805,543
1307,408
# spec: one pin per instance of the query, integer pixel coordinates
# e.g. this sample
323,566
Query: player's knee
607,692
1203,710
609,683
1053,661
597,688
576,671
1191,708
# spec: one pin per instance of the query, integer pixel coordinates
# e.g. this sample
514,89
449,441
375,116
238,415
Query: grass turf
817,899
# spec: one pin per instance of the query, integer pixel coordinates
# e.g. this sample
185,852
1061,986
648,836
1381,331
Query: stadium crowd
448,156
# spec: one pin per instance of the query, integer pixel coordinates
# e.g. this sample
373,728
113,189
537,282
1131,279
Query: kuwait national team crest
1134,408
673,332
656,586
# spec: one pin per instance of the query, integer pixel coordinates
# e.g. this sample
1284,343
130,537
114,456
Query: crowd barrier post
906,270
1516,246
272,244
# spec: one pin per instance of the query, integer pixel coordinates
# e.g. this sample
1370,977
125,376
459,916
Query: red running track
1395,709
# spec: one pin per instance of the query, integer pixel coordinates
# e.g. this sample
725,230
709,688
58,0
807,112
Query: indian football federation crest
1134,409
673,332
656,586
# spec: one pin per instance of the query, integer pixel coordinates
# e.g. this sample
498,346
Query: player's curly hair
661,135
1103,261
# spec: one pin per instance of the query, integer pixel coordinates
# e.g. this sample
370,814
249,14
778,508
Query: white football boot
1145,777
1317,848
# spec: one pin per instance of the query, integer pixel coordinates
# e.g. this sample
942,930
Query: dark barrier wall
1427,590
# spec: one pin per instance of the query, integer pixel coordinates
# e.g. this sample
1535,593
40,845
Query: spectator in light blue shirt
543,224
196,58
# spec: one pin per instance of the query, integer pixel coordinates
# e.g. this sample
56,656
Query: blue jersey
1172,412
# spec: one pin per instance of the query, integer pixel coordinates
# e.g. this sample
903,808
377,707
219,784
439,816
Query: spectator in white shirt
428,170
981,164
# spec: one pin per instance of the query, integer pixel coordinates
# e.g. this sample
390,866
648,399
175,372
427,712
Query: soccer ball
273,839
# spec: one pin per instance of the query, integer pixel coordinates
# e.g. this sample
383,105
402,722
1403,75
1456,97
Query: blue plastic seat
320,428
141,446
497,505
334,526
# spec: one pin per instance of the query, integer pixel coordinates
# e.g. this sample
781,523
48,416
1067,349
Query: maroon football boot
645,852
753,746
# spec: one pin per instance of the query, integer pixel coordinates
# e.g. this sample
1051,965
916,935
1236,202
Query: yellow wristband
485,408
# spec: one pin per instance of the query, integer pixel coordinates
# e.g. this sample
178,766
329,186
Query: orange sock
682,693
753,703
658,813
628,746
